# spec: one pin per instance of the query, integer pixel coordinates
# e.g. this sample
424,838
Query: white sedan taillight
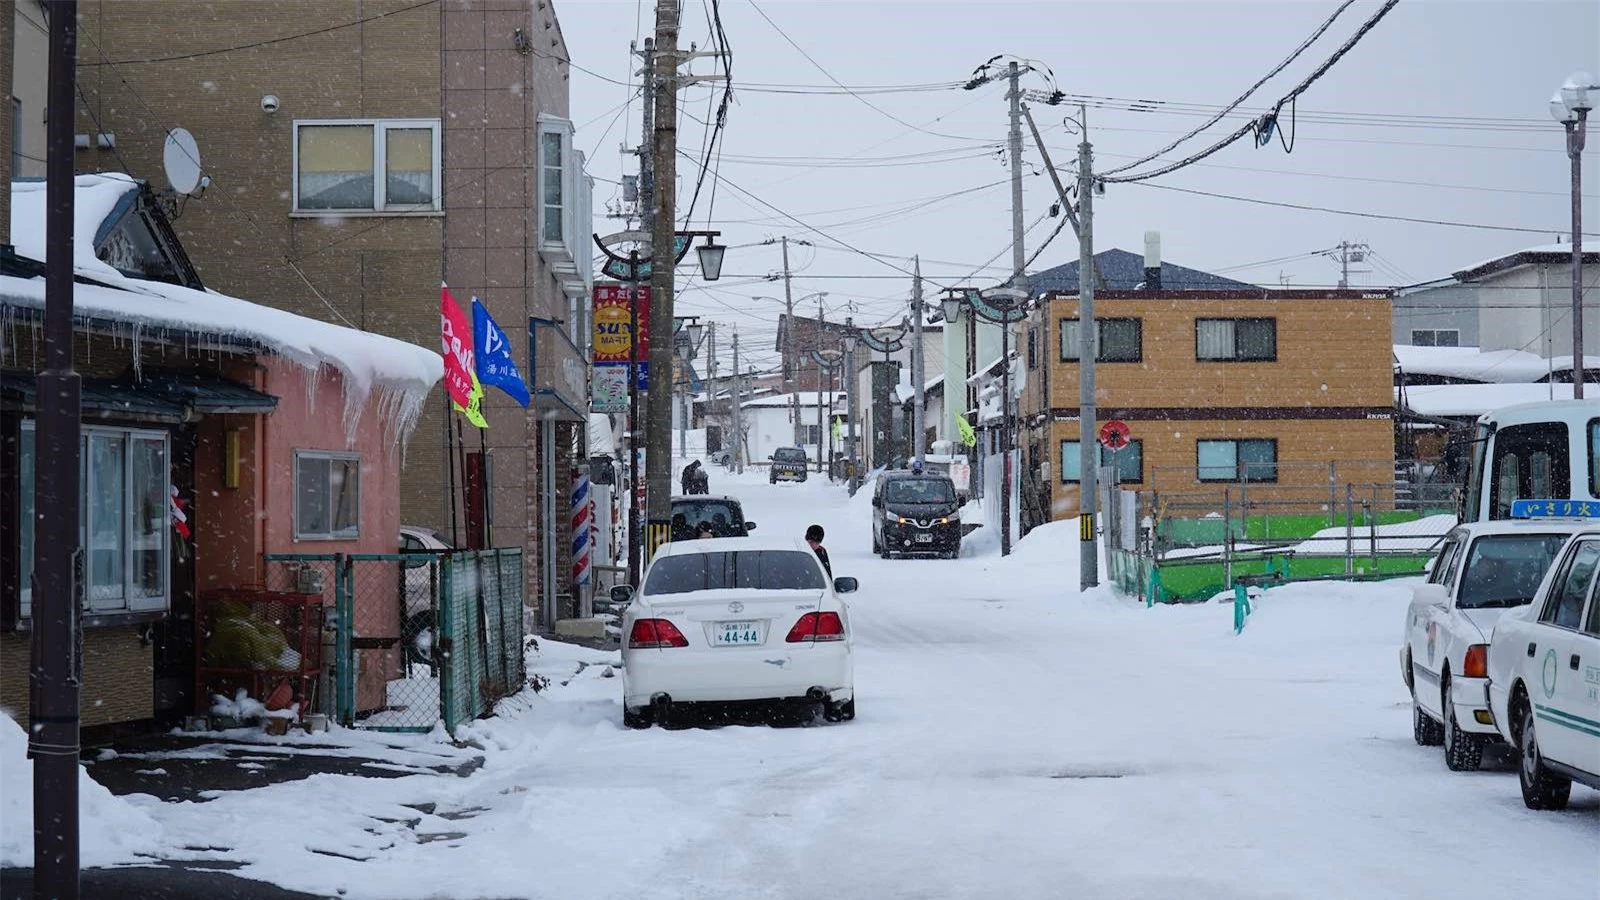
824,626
655,633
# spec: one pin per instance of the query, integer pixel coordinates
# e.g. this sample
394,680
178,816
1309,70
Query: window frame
1552,601
1099,339
1238,351
1236,478
1435,332
547,124
380,207
1592,428
332,534
1102,458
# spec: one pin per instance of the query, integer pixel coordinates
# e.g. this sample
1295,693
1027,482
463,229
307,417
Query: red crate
267,642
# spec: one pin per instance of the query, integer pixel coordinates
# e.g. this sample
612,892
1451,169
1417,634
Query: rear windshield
721,518
1505,569
790,454
919,490
772,570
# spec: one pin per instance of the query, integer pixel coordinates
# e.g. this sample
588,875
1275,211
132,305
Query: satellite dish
181,158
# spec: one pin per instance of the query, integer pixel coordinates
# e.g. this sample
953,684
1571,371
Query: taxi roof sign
1555,509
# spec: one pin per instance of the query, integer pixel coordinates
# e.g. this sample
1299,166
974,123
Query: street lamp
1570,106
711,258
952,304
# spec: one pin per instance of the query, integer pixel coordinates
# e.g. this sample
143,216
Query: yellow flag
969,438
474,410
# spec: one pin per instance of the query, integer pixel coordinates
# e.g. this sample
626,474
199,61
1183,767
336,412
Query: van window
920,490
1530,461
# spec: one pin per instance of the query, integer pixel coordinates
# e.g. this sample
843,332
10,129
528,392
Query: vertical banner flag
492,352
474,408
456,336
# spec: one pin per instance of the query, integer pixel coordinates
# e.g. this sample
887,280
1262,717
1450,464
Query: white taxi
1544,678
729,620
1482,570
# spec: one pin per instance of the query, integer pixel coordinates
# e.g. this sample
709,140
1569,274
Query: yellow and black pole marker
657,533
1086,526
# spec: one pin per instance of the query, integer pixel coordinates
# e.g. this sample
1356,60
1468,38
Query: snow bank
1491,366
1418,535
111,831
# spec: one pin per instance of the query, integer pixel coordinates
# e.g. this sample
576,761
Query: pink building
216,431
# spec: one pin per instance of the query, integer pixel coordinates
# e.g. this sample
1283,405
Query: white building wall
1530,308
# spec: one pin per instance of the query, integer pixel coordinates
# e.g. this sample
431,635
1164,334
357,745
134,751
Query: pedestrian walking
814,538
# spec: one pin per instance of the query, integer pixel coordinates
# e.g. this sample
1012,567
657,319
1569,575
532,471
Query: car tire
1463,752
840,712
772,479
636,718
420,638
1541,788
1424,730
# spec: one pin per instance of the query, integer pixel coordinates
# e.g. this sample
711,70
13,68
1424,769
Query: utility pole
850,398
663,252
647,169
815,351
919,440
791,362
1019,280
710,381
1088,490
635,425
1349,253
738,414
56,664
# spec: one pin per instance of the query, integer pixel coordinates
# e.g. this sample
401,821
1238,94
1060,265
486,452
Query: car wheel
1541,788
636,718
840,712
772,479
420,637
1462,752
1424,730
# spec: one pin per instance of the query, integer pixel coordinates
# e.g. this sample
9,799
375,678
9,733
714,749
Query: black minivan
916,513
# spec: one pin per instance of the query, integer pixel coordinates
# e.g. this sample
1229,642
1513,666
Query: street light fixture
951,305
1570,106
711,254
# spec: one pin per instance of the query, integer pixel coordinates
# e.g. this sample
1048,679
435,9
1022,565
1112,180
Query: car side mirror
877,503
1431,594
622,594
749,527
845,585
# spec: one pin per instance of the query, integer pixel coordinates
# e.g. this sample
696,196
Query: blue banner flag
493,353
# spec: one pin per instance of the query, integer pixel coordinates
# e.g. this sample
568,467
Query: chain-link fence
414,638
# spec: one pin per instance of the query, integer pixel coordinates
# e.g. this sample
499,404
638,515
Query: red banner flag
456,337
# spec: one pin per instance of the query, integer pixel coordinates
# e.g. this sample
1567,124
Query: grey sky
1492,64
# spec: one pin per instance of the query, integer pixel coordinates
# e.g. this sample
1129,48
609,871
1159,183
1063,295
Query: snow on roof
1495,366
1525,256
396,373
807,399
1458,400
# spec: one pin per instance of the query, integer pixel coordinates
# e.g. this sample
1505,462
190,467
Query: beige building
357,155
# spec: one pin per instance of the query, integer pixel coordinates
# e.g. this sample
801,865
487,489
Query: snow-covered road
1014,740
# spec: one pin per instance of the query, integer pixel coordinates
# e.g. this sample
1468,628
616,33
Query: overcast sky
1438,113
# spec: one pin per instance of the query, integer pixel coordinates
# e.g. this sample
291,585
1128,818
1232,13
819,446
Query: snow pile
1491,366
111,830
397,374
1418,535
242,706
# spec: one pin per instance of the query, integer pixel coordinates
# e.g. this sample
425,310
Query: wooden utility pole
663,257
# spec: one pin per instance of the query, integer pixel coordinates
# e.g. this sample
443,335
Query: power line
1351,212
1253,126
254,44
1217,117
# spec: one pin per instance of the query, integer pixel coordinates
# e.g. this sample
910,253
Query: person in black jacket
814,538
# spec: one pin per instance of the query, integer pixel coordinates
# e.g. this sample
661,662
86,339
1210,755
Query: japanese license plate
923,538
737,634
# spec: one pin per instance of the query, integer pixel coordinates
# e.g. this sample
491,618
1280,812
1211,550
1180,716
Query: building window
1119,340
327,496
1129,462
555,182
1435,337
366,165
1033,348
1236,340
123,516
1248,460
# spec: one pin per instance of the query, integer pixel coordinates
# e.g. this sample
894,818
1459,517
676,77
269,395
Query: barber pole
582,523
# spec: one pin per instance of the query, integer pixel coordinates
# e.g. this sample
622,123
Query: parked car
1482,570
729,621
788,464
724,515
1544,678
419,628
915,513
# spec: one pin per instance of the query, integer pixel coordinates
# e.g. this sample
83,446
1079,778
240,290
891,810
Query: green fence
418,638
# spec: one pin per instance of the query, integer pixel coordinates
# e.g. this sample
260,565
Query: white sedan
1544,678
1482,570
726,620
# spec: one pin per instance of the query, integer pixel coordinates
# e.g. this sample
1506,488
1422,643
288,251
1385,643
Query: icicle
138,352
